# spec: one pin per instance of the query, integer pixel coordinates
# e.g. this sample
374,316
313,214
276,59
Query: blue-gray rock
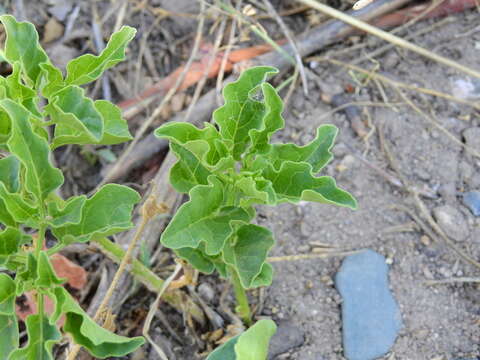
287,337
370,315
472,200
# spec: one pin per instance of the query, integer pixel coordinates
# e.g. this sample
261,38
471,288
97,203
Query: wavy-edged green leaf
253,343
294,182
46,275
265,277
42,335
316,153
76,119
68,213
27,275
203,219
256,191
247,253
22,45
41,177
225,351
51,81
115,127
5,128
21,93
271,122
189,171
106,213
7,292
182,133
18,209
10,173
10,241
199,152
88,67
197,259
242,112
98,341
9,334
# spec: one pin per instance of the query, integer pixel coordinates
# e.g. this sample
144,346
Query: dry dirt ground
440,321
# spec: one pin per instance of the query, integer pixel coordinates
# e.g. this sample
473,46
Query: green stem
38,248
243,307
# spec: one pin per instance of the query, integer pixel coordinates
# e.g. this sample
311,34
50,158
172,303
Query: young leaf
253,343
76,118
99,342
51,81
203,219
106,213
41,177
247,252
272,120
17,208
20,93
115,127
226,351
69,214
10,241
294,182
189,171
182,133
197,259
242,112
88,67
10,173
46,275
7,292
258,191
41,338
316,153
9,334
250,345
22,45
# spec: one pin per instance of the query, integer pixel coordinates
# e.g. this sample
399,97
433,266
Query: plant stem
243,307
38,248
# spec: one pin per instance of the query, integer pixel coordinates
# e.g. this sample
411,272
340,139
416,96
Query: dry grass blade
389,37
291,41
397,83
153,310
226,54
204,78
322,255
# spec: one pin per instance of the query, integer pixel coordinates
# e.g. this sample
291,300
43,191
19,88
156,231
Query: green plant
29,203
228,167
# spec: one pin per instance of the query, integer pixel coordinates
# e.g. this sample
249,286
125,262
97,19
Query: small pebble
452,222
471,200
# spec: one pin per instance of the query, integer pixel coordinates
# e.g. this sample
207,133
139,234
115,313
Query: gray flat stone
286,338
370,315
472,200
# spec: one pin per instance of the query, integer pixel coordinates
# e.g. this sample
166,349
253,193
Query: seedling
229,166
29,204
